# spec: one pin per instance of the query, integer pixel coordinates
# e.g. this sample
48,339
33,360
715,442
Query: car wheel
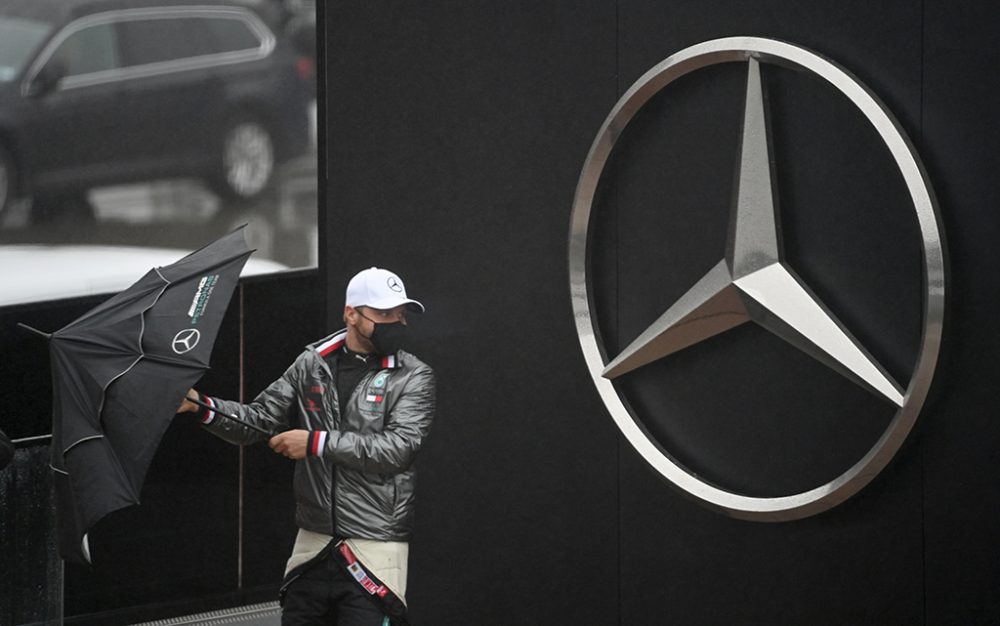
7,180
246,162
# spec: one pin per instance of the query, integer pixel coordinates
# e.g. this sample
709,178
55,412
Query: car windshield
18,40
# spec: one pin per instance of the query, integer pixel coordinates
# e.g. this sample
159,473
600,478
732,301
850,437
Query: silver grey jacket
359,470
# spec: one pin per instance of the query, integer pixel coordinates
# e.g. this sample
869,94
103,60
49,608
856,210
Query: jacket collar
329,345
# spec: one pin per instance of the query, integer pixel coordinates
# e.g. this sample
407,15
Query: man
355,410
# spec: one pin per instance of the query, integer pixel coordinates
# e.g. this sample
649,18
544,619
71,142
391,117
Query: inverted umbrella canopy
120,371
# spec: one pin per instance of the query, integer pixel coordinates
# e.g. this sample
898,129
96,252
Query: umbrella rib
104,391
142,354
174,362
206,268
142,333
79,441
142,318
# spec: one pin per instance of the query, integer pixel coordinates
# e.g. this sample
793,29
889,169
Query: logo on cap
393,283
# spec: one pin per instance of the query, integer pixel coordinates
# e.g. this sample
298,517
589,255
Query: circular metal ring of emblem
762,286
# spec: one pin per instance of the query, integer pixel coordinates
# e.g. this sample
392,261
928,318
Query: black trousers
326,595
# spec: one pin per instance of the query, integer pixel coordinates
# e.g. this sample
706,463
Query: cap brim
392,303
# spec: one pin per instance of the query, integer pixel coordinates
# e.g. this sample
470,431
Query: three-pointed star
753,283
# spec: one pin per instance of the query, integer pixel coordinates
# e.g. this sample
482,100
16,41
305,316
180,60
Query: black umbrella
120,371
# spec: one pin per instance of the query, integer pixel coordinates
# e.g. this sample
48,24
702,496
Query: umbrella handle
259,429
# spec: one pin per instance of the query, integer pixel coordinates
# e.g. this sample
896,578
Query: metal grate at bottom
266,614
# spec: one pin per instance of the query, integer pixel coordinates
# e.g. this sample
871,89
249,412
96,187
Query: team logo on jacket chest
376,391
314,399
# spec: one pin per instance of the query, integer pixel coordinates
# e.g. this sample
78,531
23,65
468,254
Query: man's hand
186,405
291,443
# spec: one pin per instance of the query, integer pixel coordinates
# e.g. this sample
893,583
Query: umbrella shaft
231,417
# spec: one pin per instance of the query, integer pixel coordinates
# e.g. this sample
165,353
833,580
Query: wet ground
254,615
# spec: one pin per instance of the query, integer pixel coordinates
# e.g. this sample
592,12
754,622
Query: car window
19,38
231,35
145,122
90,49
163,40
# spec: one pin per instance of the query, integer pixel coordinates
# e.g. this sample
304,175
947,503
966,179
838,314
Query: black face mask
387,338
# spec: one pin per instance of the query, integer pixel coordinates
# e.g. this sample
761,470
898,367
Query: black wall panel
745,410
281,316
455,135
26,378
455,132
961,135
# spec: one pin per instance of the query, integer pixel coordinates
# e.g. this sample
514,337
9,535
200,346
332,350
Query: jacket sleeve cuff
317,442
207,416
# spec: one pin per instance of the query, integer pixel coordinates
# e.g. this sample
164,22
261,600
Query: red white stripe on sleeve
317,442
207,415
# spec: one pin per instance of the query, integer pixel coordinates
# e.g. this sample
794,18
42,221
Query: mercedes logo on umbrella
186,340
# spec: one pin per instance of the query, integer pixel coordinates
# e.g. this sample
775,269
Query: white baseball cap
379,289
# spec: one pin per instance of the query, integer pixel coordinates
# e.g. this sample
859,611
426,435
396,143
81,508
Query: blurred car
300,24
297,18
101,92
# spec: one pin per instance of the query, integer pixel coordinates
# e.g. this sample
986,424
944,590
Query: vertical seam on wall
923,463
323,174
241,468
322,165
617,321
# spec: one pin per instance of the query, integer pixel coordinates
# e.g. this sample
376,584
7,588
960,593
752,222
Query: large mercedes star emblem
754,283
186,340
